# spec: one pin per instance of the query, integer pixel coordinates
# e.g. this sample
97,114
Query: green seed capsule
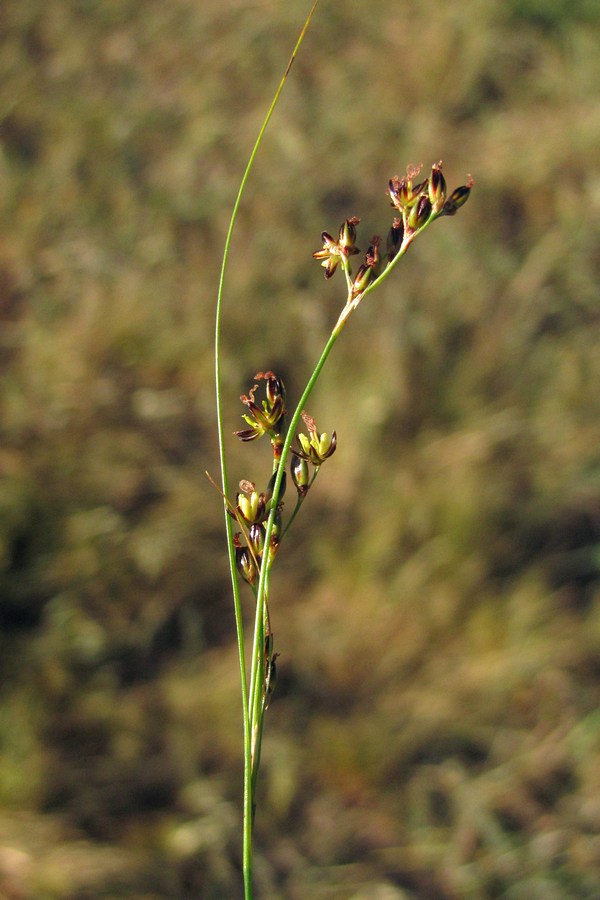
300,474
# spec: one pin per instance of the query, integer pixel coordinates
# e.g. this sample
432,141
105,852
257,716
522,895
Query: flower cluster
251,511
259,514
252,507
420,203
417,204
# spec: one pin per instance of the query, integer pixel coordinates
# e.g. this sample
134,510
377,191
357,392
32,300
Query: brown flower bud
274,389
300,474
256,536
275,535
362,280
271,485
394,238
458,198
347,237
245,564
437,187
420,213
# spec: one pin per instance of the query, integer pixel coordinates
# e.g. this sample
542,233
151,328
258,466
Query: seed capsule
245,564
300,474
394,238
437,187
420,213
257,539
457,198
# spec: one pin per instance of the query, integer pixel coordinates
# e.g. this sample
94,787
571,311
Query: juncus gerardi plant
258,518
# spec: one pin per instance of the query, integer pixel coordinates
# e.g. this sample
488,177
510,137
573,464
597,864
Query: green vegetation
434,732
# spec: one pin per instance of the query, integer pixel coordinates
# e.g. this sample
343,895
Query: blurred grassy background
435,732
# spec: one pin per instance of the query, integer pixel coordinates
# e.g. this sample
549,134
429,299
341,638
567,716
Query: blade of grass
248,798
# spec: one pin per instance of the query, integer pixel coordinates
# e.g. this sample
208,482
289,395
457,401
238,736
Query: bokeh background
435,731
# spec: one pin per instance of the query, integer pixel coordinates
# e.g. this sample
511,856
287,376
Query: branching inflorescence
260,514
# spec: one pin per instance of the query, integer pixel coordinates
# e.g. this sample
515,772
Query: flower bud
394,238
300,474
275,388
271,485
347,237
457,198
399,192
275,536
437,187
270,678
245,564
420,213
269,640
256,536
362,279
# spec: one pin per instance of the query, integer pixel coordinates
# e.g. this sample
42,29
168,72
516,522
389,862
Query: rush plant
257,519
